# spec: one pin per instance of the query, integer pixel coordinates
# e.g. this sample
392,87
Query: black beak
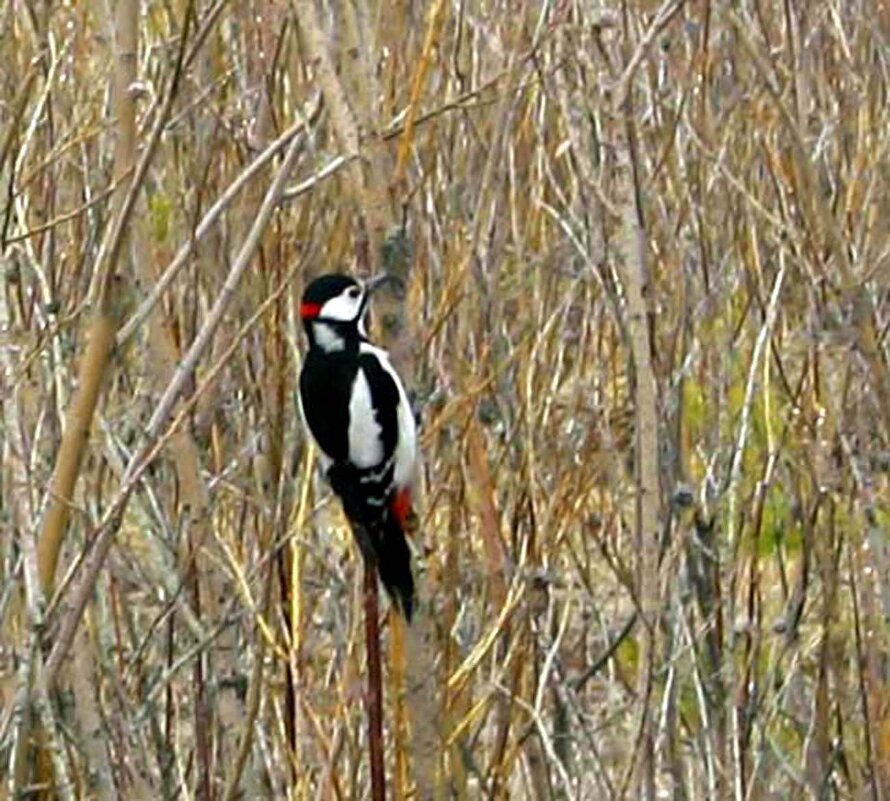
373,284
370,287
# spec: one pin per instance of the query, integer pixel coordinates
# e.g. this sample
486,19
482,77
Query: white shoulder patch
327,338
365,444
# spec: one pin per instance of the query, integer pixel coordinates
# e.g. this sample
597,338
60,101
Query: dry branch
140,460
210,218
109,311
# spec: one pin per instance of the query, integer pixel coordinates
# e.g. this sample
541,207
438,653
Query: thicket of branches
647,324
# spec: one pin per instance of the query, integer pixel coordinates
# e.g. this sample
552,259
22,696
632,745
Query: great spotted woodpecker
355,408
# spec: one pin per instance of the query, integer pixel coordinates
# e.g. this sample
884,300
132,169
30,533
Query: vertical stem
635,277
286,588
374,698
94,734
203,714
254,697
400,781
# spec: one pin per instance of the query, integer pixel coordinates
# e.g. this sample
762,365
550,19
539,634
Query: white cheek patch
341,307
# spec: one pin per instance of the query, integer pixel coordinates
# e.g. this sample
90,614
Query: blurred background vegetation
647,326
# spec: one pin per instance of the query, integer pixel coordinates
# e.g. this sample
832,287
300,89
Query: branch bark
635,277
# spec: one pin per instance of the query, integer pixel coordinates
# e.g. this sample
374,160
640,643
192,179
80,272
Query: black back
325,385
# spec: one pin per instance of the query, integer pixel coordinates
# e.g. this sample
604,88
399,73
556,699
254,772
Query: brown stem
374,698
73,445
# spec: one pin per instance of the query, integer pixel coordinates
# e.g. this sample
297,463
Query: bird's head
334,307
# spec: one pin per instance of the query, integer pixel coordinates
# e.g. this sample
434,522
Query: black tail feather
379,535
394,565
383,543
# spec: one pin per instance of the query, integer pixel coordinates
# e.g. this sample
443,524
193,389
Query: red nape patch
309,311
400,506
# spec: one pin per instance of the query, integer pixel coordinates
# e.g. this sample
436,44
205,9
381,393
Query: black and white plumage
355,408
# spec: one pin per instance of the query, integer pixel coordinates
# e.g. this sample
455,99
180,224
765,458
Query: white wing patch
406,446
365,444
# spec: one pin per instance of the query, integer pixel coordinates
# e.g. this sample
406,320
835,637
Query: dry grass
546,156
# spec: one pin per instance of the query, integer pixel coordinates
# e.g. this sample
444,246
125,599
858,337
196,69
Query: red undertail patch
400,506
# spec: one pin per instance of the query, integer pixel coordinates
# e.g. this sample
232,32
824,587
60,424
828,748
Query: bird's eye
353,292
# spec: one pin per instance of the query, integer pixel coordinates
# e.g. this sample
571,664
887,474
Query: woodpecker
354,406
